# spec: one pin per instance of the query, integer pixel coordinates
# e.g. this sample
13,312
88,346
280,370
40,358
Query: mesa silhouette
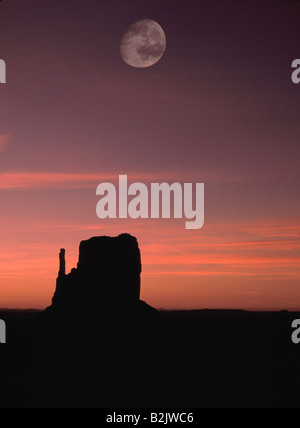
106,283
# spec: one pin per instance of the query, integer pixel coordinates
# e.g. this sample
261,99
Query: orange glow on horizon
180,270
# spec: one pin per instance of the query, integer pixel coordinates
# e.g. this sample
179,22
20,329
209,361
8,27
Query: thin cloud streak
59,180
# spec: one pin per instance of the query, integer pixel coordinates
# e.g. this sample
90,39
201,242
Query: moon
144,44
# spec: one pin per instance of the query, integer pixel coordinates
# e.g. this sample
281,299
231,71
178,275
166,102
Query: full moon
144,44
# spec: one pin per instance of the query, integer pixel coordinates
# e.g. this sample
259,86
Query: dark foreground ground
195,359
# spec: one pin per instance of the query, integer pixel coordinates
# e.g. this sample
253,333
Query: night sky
219,107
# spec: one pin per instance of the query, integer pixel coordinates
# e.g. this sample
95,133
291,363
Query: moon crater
144,44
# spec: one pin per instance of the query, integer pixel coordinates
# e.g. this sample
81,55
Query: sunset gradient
219,108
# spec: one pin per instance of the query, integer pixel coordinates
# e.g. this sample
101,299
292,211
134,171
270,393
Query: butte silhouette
103,292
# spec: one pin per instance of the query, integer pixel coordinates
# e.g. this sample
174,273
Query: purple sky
219,108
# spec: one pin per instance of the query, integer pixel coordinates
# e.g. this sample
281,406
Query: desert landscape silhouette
99,345
172,127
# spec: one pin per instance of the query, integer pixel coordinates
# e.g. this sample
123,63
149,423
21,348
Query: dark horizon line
270,310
